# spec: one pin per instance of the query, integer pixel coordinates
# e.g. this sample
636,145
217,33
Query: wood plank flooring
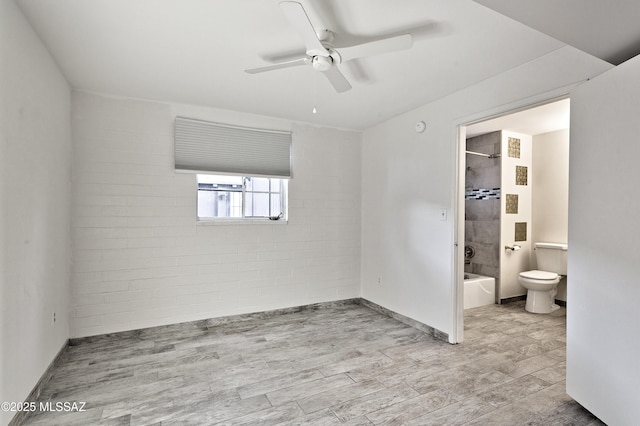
344,364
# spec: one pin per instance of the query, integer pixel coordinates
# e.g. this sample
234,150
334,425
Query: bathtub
478,290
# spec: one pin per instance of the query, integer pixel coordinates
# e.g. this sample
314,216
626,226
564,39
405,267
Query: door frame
457,329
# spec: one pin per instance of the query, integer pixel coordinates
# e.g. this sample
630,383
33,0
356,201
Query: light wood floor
339,365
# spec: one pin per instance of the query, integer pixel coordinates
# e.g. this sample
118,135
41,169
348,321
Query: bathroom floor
339,365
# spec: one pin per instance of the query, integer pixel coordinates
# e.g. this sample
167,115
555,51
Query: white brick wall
140,260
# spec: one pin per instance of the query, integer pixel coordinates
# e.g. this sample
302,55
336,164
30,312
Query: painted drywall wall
550,193
603,292
512,262
408,179
140,258
35,192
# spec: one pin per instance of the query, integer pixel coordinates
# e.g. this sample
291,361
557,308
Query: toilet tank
552,257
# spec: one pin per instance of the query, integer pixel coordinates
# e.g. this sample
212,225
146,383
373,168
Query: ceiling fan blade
337,80
288,64
377,47
297,16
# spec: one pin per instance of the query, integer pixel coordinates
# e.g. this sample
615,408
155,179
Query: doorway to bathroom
512,192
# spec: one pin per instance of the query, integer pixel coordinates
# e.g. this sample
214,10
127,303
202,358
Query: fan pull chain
315,92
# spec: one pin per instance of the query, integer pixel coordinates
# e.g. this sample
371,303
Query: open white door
603,290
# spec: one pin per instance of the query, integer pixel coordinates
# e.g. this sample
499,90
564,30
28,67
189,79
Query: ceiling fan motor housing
322,63
325,36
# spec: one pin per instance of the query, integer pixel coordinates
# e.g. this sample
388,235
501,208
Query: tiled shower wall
482,214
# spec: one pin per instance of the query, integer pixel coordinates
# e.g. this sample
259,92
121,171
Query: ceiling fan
321,54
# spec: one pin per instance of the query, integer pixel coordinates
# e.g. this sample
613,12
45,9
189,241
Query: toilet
542,283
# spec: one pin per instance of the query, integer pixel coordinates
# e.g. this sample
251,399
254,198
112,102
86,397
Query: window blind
203,146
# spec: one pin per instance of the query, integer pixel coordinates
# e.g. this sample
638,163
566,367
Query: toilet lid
539,275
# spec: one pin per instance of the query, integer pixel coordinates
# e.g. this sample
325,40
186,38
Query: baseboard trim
440,335
524,297
513,299
212,322
37,389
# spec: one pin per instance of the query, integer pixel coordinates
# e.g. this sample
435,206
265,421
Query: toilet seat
539,275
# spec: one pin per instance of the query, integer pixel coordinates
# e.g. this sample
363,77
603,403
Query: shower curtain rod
483,155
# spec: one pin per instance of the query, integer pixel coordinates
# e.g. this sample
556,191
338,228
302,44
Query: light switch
443,214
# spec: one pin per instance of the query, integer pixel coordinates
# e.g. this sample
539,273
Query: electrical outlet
379,280
54,317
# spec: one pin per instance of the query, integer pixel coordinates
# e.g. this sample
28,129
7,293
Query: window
241,197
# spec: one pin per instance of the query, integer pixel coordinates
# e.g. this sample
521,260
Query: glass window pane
222,204
276,209
259,185
248,204
219,204
222,196
205,203
258,206
275,185
235,209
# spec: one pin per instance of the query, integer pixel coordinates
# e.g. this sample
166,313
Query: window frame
283,193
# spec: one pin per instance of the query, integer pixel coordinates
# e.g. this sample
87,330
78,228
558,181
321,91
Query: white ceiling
606,29
196,51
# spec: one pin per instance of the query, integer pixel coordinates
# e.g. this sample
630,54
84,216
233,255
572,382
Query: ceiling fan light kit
322,63
320,53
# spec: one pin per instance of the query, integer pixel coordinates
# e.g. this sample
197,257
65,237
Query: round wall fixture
420,126
469,252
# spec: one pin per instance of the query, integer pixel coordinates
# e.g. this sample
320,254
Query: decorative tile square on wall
514,147
521,231
521,175
511,203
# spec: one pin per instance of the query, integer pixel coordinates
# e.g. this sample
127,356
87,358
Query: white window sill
215,222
